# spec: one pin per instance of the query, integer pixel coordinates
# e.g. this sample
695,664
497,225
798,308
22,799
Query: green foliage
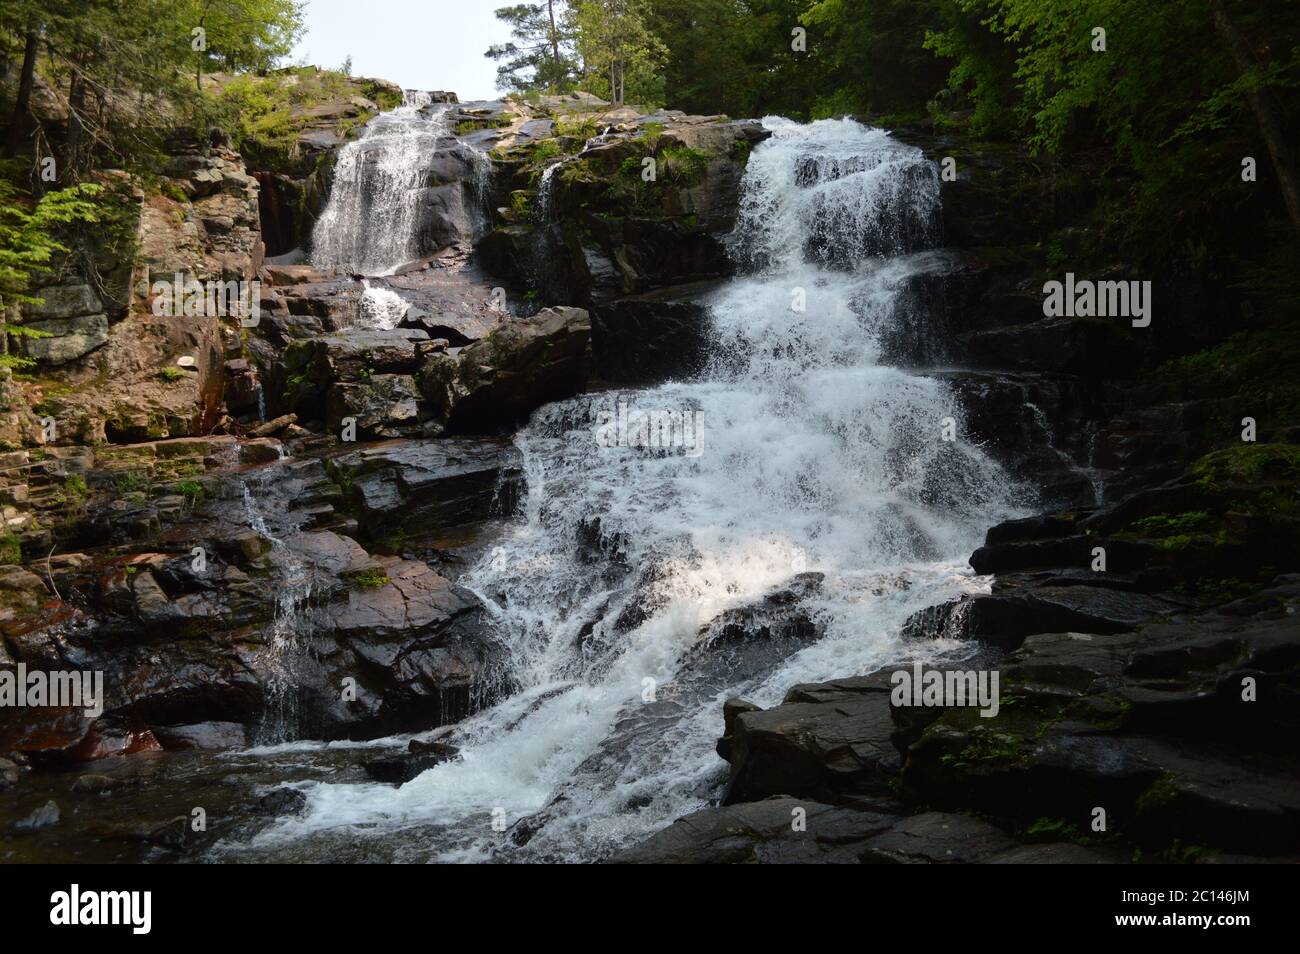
539,55
131,481
29,239
171,374
682,165
1166,525
1262,366
576,127
369,578
191,490
621,54
75,491
11,550
1054,829
259,118
241,34
1249,465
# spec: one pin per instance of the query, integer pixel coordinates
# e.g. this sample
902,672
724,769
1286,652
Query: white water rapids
815,458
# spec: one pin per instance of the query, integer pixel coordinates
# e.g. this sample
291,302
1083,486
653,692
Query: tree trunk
1267,114
18,122
76,129
555,46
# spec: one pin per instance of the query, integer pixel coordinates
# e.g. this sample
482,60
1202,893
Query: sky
421,44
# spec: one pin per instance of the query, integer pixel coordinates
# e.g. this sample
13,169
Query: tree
539,56
1263,103
29,23
240,34
617,48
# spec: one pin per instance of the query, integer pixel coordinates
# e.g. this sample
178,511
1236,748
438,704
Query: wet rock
274,426
649,339
383,405
762,832
1155,724
814,749
1094,347
495,383
282,801
937,838
429,484
208,736
102,784
406,767
43,817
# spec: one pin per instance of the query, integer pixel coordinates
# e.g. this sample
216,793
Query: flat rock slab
430,484
765,832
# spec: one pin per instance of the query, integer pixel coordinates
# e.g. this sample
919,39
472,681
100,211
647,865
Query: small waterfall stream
815,458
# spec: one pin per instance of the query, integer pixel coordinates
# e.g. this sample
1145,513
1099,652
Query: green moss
1055,829
521,203
172,191
11,550
369,578
171,374
1249,464
1159,793
1260,367
131,481
75,490
682,165
464,126
1165,525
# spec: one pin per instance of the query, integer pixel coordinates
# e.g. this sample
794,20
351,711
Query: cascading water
380,308
290,627
369,225
813,458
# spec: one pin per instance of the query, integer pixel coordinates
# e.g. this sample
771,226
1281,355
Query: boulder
63,301
68,338
497,382
429,484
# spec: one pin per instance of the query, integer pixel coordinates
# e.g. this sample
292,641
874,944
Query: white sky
421,44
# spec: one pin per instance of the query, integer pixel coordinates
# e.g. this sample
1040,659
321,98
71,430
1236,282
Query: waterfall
380,308
545,188
650,512
371,223
290,628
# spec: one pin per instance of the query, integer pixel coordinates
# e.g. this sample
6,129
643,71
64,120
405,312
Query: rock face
119,363
252,641
71,321
581,221
650,338
501,379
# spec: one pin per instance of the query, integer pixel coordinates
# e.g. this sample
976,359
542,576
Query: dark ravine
329,561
